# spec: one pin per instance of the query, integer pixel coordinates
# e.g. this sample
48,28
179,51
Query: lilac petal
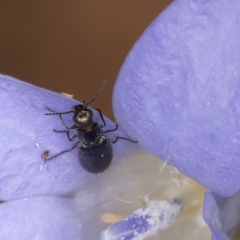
144,222
26,133
222,215
178,92
40,218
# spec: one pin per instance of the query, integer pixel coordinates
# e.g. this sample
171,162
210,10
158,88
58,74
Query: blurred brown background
72,46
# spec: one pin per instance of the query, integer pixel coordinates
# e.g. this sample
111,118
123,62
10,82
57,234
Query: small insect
94,148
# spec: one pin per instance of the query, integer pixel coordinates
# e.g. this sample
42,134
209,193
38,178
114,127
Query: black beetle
94,149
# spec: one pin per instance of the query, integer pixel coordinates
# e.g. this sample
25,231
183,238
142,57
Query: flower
177,94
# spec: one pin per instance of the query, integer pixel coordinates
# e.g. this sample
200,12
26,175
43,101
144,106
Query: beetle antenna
95,96
55,112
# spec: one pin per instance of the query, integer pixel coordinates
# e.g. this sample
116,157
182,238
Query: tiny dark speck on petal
45,155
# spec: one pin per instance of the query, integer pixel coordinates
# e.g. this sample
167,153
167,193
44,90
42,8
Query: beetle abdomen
96,158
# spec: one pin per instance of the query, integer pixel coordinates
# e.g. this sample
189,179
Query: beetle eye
78,108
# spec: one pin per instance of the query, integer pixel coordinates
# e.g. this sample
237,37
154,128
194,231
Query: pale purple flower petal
40,218
26,132
181,81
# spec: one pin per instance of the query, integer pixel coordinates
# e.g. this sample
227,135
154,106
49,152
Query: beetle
95,151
